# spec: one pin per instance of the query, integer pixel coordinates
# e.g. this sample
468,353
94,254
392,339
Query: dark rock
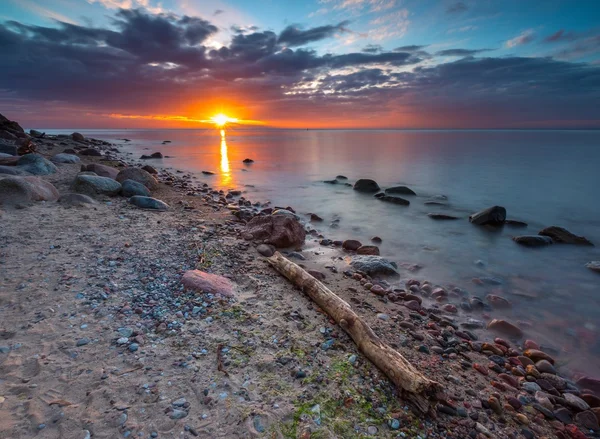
368,250
515,223
149,169
590,383
101,170
208,173
400,190
563,415
266,250
351,244
376,239
148,203
563,236
139,175
441,216
533,240
247,160
9,148
366,185
130,188
22,190
96,185
334,181
373,265
317,274
587,419
92,152
341,177
278,230
394,200
504,327
78,137
495,215
544,366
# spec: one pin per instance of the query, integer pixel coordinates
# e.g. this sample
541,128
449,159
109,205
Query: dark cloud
293,35
412,48
372,48
461,52
457,8
575,45
218,12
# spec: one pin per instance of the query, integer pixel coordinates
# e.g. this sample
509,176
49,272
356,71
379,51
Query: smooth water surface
542,177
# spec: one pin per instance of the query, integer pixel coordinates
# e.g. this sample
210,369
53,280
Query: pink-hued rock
201,281
530,344
450,308
505,327
590,383
498,301
16,190
412,304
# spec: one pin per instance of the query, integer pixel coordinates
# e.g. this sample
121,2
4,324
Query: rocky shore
135,302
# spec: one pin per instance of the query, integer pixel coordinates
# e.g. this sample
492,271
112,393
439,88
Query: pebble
134,347
394,424
576,402
83,341
530,387
178,414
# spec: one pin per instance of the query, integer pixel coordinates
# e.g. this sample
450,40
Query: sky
301,64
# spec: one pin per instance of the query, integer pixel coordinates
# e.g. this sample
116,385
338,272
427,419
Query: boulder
495,215
76,200
594,266
35,164
400,190
533,240
139,175
202,282
36,133
78,137
368,250
130,188
504,327
278,230
156,155
266,250
6,135
394,200
92,152
10,126
248,161
96,185
441,216
150,169
19,190
563,236
9,148
351,244
373,265
12,170
366,185
148,203
65,158
101,170
589,383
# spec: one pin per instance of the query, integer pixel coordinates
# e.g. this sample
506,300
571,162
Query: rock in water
278,230
533,240
505,327
35,164
139,175
78,137
95,185
148,203
76,200
201,281
248,161
17,190
130,188
101,170
402,190
594,266
366,185
373,265
441,216
351,244
495,215
65,158
562,235
394,200
368,250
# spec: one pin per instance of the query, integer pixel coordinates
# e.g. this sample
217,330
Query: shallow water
542,177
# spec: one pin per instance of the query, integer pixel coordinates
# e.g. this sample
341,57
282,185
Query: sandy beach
99,338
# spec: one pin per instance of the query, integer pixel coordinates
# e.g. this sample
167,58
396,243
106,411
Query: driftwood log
415,387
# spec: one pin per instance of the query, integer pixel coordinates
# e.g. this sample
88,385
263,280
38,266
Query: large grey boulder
280,231
148,203
130,188
96,185
366,185
65,158
101,170
373,265
35,164
19,190
139,175
495,215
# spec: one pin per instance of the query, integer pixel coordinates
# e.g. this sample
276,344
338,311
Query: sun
221,120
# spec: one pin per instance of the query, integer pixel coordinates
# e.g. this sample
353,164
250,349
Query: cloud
130,4
412,48
293,35
218,12
463,29
361,6
457,8
524,37
461,52
372,48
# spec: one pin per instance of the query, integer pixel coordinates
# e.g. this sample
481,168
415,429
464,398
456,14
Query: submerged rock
96,185
278,230
351,244
533,240
373,265
18,190
563,236
148,203
594,266
92,152
203,282
366,185
495,215
394,200
402,190
515,223
441,216
247,160
505,327
368,250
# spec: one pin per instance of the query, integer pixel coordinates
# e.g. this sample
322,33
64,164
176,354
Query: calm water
541,177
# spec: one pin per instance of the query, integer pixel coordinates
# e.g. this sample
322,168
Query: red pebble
501,341
574,432
479,368
530,344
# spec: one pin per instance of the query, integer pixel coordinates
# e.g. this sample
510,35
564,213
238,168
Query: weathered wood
415,386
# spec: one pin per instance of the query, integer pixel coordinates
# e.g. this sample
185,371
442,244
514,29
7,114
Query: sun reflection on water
225,169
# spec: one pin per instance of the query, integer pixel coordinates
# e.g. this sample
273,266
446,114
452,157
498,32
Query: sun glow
220,120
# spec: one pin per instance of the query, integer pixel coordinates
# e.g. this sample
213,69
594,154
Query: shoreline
286,330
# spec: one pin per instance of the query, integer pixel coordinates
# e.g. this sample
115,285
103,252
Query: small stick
220,367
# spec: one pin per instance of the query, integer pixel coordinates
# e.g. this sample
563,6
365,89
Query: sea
544,178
